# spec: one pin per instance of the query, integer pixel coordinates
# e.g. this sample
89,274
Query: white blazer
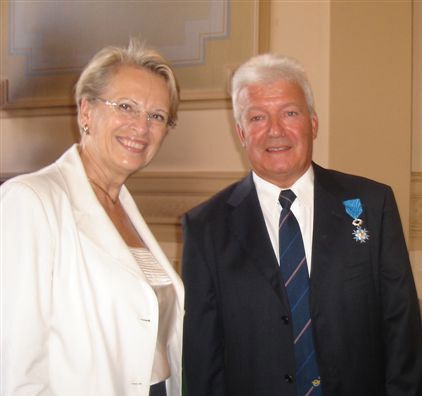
78,317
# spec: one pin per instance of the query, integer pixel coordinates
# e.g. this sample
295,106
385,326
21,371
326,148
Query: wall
202,141
361,73
359,59
370,91
416,185
311,46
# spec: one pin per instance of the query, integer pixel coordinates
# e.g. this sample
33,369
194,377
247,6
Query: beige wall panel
202,141
370,93
29,143
416,259
416,228
301,29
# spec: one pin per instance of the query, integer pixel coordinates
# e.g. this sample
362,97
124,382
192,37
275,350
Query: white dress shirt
302,208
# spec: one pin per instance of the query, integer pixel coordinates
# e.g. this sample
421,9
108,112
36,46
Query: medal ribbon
353,208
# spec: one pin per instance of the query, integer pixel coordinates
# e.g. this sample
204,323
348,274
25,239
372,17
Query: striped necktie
294,271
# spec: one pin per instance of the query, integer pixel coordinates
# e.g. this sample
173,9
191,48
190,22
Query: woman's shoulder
44,189
43,180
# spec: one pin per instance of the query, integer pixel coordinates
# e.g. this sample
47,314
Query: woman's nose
141,123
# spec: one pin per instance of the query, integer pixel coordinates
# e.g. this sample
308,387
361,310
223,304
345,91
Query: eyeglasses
130,110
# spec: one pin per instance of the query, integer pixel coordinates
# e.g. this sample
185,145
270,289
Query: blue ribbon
353,207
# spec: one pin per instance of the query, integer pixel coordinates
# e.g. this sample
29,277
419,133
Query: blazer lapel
248,226
332,236
92,220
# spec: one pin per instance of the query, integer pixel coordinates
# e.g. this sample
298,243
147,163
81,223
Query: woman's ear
85,112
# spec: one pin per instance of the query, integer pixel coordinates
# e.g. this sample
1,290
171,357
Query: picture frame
43,51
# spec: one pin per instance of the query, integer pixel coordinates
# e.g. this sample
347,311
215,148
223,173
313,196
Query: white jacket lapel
90,216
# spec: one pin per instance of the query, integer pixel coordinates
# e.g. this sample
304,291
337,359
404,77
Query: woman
90,304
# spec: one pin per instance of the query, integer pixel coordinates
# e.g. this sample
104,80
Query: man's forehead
271,90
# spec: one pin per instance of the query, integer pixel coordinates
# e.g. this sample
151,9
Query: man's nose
276,127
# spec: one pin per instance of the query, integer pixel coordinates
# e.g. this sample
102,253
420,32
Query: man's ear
314,124
241,134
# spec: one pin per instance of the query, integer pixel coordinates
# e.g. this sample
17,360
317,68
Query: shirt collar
303,188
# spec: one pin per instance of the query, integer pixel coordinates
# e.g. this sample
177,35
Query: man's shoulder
347,181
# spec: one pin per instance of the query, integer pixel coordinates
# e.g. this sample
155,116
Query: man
246,246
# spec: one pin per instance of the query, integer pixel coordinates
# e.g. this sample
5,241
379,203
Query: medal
354,209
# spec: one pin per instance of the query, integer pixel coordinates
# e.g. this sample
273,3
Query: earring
85,129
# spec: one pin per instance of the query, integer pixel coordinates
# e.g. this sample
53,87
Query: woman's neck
103,183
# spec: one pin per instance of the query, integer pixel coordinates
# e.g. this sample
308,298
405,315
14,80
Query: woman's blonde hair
105,63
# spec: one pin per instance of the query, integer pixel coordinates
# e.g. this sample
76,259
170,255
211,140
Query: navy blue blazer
366,322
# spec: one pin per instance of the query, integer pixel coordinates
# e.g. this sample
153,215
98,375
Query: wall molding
163,197
416,209
190,100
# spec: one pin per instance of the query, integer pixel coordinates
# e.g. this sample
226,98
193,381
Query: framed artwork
45,44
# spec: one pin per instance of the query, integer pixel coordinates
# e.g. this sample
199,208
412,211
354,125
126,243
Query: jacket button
288,378
285,319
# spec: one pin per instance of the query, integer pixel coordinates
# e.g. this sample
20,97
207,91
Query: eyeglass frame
136,113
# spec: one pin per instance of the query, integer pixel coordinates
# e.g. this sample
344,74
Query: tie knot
286,198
